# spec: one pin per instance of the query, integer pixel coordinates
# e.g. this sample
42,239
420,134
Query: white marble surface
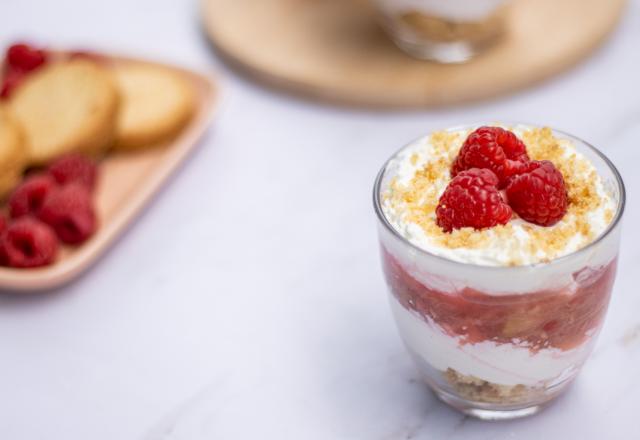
247,302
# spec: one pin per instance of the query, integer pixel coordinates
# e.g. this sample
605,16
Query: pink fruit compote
499,320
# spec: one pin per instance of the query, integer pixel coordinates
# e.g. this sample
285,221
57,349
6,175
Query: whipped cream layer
421,174
454,10
502,364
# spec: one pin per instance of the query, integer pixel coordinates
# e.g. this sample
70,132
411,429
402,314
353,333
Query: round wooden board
334,49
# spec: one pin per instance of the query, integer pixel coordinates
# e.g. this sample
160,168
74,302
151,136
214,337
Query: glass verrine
447,31
500,342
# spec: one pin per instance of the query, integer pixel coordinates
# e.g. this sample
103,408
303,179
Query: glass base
446,53
508,407
486,411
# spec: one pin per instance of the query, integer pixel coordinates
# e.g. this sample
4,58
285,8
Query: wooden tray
334,49
127,183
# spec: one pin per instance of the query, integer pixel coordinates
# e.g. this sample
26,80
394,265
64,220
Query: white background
248,301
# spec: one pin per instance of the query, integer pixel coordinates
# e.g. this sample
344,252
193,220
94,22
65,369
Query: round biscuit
65,107
156,104
13,155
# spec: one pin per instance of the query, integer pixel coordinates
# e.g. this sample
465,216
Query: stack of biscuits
89,106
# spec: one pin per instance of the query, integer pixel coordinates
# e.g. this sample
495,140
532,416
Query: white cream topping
503,364
497,250
455,10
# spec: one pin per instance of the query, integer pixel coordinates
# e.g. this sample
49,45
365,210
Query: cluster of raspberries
47,208
492,177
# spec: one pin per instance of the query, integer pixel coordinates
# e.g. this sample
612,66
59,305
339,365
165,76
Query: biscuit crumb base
438,29
478,390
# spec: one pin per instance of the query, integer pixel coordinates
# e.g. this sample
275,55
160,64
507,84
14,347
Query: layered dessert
499,246
474,23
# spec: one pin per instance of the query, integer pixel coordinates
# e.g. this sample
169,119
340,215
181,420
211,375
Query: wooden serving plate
334,50
127,182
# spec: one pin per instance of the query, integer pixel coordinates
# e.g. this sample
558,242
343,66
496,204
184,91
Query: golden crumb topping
416,199
580,179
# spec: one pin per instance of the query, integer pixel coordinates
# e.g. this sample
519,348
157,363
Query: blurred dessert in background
447,31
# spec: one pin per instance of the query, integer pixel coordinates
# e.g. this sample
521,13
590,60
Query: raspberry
472,200
27,198
12,79
25,58
20,59
494,148
69,211
538,195
28,242
3,223
74,168
512,146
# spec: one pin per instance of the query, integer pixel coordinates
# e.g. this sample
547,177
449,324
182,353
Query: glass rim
616,219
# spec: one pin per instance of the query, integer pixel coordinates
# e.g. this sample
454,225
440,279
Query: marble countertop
248,302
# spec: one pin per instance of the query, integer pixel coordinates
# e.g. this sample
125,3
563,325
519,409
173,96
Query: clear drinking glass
447,31
500,342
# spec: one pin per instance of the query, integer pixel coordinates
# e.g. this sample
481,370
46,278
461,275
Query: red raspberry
494,148
3,223
25,58
539,194
472,200
28,242
74,168
12,79
513,147
27,198
69,211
